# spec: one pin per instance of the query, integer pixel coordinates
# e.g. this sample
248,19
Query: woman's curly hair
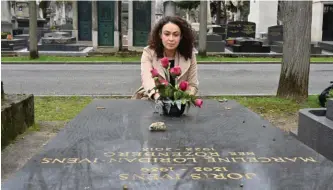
186,44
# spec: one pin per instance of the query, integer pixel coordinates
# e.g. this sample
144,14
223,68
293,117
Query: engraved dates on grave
172,164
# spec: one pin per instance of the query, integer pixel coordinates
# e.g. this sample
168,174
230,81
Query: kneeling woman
172,38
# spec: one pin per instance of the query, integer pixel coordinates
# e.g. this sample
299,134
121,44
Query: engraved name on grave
212,164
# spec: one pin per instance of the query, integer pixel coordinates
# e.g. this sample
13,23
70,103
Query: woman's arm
148,82
193,76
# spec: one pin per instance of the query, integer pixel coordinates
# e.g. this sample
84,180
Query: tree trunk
203,29
33,30
295,67
218,13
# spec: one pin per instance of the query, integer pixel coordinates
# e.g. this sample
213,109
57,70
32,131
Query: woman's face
170,36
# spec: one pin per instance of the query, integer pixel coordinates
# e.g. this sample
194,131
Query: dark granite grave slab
214,37
277,47
222,31
249,45
220,146
329,110
241,29
275,33
14,44
315,129
326,45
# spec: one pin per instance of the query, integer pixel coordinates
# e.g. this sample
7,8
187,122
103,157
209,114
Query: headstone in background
241,29
222,31
275,33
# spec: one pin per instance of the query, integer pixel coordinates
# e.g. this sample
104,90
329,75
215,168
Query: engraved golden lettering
200,154
112,160
72,160
211,160
189,149
224,160
163,154
152,177
85,160
238,158
123,176
109,154
264,158
220,169
291,159
138,176
253,159
149,154
59,161
248,175
195,176
123,154
144,160
129,160
234,176
46,160
219,176
214,154
241,153
137,154
307,159
233,153
250,153
165,160
179,160
176,154
279,159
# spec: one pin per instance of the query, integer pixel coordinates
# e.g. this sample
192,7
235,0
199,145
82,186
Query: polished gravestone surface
220,146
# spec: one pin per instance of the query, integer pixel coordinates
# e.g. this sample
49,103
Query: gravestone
327,46
241,29
275,33
241,38
315,129
275,40
109,146
220,31
215,43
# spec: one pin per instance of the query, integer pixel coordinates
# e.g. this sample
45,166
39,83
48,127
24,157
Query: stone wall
17,114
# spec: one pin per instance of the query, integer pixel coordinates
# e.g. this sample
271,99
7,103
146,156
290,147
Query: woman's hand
156,96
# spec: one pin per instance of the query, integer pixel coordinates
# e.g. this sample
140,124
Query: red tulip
164,82
183,85
154,72
165,62
175,71
198,102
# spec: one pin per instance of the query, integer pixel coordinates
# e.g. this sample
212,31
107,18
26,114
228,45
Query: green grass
274,105
59,108
66,108
136,58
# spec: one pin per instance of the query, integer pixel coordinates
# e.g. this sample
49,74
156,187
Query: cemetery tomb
221,145
315,129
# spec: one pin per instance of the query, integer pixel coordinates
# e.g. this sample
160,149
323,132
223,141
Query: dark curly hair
186,44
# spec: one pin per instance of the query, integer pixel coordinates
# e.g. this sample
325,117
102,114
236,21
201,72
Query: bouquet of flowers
173,96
